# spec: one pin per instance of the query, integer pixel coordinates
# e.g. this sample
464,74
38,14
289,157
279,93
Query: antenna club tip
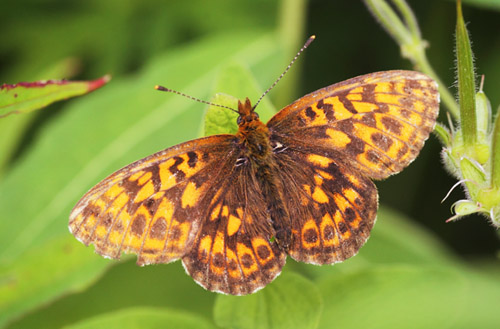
158,87
308,42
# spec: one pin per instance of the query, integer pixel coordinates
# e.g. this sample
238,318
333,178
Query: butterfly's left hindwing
153,207
332,207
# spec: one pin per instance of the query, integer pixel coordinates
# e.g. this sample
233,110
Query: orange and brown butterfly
232,207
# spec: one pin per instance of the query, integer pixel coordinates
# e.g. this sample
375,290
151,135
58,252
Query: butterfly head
246,112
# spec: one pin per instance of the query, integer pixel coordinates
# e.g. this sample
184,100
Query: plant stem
291,34
409,17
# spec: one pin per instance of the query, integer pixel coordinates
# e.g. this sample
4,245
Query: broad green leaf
220,120
291,301
396,296
397,239
13,127
25,97
410,296
125,285
142,317
481,301
58,267
98,134
239,83
492,4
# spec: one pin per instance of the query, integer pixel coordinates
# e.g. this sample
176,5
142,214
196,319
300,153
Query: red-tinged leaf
29,96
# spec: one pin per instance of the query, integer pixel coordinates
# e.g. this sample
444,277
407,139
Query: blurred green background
51,157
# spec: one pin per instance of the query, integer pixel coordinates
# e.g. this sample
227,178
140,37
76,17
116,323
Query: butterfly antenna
161,88
308,42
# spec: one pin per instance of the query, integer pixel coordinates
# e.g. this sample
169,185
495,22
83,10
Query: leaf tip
98,83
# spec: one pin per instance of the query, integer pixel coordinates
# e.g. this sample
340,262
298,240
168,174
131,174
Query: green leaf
466,83
25,97
13,127
474,174
236,80
491,4
393,297
124,285
144,317
443,134
42,274
409,296
220,120
98,134
463,208
483,112
291,301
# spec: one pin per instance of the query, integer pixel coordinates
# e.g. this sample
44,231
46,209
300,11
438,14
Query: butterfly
233,207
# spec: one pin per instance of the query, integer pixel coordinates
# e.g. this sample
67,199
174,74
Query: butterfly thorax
253,135
254,139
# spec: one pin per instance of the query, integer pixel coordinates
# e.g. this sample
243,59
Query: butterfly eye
256,115
238,121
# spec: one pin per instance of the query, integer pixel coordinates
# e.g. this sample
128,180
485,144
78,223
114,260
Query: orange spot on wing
136,176
167,179
319,160
340,111
145,192
191,195
319,195
363,107
338,139
145,178
233,225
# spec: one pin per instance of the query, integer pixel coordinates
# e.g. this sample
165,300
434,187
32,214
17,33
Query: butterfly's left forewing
377,122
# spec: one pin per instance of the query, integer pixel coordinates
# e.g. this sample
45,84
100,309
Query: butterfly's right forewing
153,207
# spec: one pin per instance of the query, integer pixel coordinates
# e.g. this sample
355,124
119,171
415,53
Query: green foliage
34,279
237,82
137,318
26,97
291,302
404,276
29,96
466,84
470,150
